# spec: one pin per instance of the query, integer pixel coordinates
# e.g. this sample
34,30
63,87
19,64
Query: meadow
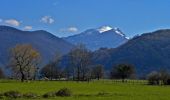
96,90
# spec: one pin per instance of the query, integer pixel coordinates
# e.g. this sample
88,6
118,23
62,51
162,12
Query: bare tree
80,60
52,70
24,60
159,77
97,71
154,78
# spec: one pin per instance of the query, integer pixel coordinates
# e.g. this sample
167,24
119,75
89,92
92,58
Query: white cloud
12,22
47,20
28,28
70,29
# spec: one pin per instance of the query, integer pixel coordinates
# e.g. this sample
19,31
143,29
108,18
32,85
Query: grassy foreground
90,91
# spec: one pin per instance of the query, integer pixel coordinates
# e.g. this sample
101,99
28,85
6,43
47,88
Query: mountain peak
102,37
116,30
104,29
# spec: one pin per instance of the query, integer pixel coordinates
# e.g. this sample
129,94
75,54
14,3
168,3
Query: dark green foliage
122,71
1,96
13,94
65,92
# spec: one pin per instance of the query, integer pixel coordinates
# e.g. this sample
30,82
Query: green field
91,91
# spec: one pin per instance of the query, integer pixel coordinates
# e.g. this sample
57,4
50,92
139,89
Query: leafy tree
122,71
24,60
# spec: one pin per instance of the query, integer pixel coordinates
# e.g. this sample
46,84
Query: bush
1,95
65,92
13,94
30,95
168,82
49,94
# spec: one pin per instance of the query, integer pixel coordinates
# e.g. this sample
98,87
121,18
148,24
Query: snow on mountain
104,29
102,37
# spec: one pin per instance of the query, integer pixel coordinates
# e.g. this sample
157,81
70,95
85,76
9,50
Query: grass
97,90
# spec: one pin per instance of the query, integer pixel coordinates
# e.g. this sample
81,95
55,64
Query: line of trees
25,60
25,65
161,77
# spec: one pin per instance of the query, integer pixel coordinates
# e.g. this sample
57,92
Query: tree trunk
98,77
78,74
22,77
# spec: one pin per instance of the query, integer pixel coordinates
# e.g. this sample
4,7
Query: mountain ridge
148,52
45,42
102,37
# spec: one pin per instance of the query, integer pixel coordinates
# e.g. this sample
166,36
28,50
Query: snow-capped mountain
102,37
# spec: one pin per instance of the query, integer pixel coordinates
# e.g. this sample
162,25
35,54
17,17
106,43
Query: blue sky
68,17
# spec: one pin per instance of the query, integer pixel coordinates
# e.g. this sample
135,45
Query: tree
164,77
52,69
1,73
154,78
97,71
68,72
80,61
122,71
159,77
24,60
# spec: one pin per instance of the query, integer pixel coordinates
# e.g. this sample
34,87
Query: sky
68,17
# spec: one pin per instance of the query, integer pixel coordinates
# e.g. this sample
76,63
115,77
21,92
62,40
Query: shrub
1,95
30,95
49,94
13,94
65,92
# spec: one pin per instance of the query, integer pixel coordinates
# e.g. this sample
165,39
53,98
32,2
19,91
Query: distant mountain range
148,52
43,41
103,37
